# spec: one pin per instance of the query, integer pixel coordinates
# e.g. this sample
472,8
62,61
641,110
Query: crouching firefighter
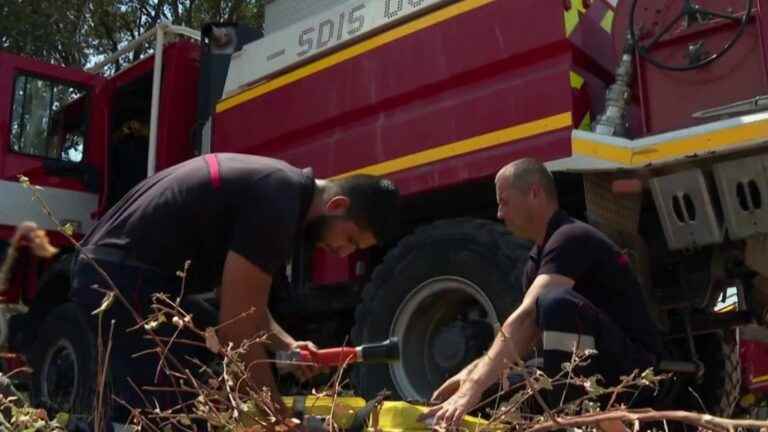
236,219
580,294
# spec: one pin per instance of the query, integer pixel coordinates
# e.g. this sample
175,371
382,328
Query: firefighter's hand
305,371
450,413
448,389
452,384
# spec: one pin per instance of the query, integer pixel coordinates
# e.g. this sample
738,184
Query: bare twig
238,317
102,379
704,421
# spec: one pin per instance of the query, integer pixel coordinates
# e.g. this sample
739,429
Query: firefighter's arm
245,286
518,333
516,337
520,330
279,339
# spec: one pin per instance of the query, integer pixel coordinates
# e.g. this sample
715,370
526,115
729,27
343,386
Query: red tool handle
330,356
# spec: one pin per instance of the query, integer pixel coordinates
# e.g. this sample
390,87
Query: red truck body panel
178,104
738,75
12,164
754,359
498,66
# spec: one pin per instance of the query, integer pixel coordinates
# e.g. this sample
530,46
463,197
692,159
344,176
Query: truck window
48,119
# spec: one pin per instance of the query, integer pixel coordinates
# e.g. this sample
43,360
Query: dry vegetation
225,399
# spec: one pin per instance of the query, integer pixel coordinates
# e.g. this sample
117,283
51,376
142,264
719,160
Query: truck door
51,125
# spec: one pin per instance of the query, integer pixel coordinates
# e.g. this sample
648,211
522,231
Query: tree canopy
79,32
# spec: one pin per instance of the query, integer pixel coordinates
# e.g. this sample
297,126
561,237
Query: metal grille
618,217
686,210
743,188
607,210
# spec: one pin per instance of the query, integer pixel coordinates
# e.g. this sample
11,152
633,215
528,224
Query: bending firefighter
236,218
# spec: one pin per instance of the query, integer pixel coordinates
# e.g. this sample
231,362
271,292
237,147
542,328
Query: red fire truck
651,113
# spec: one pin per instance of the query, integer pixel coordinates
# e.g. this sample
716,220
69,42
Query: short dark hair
373,204
523,173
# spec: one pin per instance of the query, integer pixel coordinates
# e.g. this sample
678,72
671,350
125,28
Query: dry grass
225,399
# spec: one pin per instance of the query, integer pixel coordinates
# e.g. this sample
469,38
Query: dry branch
703,421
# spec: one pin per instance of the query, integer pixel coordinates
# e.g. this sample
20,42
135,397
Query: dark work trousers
137,283
567,319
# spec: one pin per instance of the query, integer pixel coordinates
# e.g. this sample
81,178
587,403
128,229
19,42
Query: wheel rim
442,325
59,376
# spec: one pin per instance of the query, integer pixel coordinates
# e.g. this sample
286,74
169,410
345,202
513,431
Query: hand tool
382,352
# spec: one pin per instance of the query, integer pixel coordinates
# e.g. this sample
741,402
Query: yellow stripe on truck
674,148
572,17
353,51
576,80
607,22
458,148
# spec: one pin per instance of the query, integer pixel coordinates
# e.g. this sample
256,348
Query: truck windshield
48,119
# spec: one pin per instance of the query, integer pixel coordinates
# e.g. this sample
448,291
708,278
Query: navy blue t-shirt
601,273
256,207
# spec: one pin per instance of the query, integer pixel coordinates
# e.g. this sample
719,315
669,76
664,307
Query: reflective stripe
478,142
586,123
760,379
607,22
576,80
735,133
572,16
213,170
560,341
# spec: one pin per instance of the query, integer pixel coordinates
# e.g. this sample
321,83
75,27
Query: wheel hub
449,346
460,342
443,324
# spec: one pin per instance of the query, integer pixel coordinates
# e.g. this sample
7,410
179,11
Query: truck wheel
718,390
720,386
442,291
63,360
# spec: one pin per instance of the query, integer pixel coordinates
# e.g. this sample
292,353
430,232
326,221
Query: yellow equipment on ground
355,414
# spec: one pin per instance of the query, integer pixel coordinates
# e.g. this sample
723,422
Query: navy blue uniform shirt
601,273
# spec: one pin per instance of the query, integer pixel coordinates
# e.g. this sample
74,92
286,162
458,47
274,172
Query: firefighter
236,219
35,240
580,292
11,251
128,152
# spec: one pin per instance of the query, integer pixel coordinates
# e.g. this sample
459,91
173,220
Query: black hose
643,53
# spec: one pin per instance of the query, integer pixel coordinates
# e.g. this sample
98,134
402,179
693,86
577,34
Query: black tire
53,292
718,390
64,357
464,261
720,386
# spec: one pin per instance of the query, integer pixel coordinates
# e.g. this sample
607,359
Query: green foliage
17,415
48,29
79,32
